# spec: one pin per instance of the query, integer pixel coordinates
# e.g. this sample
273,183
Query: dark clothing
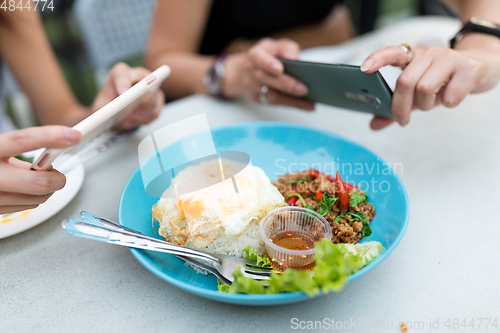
233,19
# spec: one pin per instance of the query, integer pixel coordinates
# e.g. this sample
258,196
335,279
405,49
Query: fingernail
291,53
300,89
277,67
71,135
403,122
367,65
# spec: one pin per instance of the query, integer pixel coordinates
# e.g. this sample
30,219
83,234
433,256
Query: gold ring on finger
409,54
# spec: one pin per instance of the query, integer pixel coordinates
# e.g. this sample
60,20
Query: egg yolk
193,208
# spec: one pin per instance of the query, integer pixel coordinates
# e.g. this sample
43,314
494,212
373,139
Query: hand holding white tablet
108,115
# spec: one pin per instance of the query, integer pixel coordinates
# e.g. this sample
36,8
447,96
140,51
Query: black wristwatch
477,25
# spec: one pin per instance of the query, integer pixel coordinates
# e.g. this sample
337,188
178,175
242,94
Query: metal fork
111,232
113,225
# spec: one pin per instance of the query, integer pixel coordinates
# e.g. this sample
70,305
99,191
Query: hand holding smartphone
343,86
104,118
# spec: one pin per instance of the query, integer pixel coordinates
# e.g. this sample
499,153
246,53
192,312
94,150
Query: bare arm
26,50
176,32
487,9
483,47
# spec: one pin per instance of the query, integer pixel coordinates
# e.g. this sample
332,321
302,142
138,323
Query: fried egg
214,199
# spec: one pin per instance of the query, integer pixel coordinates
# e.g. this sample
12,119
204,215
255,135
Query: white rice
234,245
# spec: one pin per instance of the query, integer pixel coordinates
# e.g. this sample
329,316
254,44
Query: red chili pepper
319,196
344,198
348,186
314,173
292,201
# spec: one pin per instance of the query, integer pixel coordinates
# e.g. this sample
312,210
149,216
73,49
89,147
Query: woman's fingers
435,76
143,111
283,83
17,180
19,164
378,123
21,141
16,208
463,81
262,58
147,111
264,69
121,78
263,54
392,55
20,199
138,73
432,81
154,108
403,97
21,188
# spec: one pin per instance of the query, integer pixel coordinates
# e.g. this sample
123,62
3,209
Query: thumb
21,141
120,78
379,123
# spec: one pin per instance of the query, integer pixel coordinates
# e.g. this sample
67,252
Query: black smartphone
343,86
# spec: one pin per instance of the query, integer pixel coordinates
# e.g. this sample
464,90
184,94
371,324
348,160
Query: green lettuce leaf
244,285
334,264
326,203
221,286
292,280
357,198
260,260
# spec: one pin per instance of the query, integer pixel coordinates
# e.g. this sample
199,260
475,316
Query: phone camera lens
373,101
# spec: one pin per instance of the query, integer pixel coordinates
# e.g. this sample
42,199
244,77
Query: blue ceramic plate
279,148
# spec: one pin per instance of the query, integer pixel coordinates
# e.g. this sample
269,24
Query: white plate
12,224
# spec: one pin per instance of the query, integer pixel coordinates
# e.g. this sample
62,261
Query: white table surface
445,266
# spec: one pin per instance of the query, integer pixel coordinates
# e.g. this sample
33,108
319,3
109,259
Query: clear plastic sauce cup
289,234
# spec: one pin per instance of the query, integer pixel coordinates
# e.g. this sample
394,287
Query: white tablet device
104,118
